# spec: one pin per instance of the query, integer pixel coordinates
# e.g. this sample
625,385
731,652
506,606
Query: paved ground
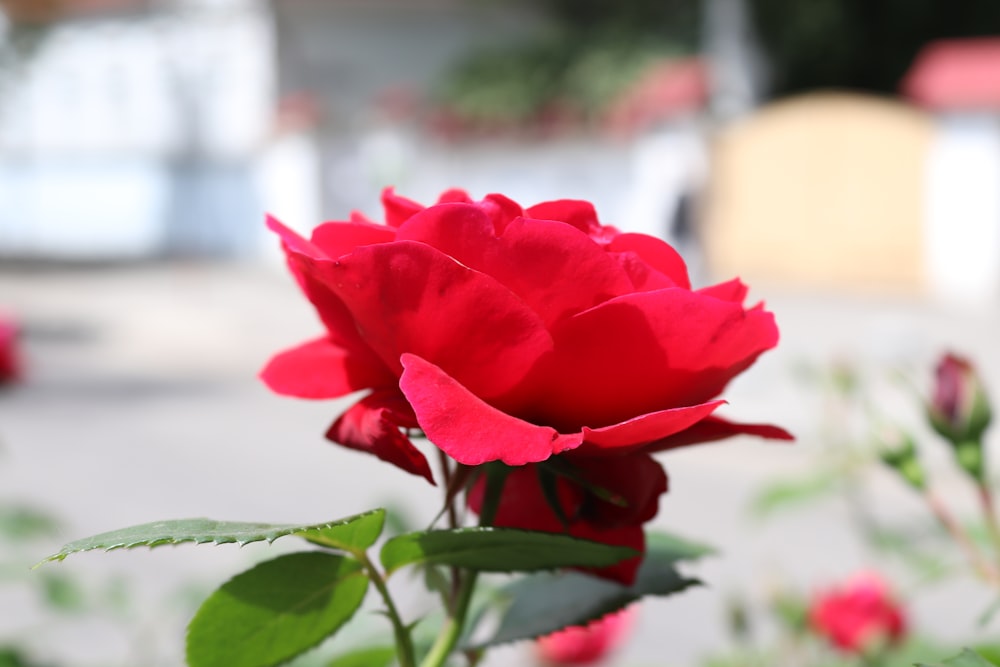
142,404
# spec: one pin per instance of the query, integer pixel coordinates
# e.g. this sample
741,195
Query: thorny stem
404,644
975,557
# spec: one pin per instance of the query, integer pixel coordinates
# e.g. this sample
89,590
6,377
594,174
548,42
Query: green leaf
362,528
276,610
790,493
668,547
24,523
62,592
354,534
498,550
378,656
967,658
544,603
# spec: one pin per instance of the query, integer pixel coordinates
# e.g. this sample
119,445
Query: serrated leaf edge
271,532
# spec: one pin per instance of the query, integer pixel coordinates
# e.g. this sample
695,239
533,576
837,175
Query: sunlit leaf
356,532
276,610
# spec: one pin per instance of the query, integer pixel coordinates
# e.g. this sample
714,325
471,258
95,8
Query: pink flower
586,645
859,615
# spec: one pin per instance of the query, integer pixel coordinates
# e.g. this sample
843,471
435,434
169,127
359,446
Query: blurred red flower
10,358
859,615
586,645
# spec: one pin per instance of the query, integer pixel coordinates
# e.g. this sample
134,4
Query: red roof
956,74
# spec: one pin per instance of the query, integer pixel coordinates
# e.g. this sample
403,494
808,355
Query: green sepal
276,610
498,550
355,532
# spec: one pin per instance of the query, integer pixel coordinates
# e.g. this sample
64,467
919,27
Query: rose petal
291,240
658,254
644,429
398,209
646,352
716,428
340,238
555,269
454,195
644,277
501,210
574,212
373,425
732,290
322,369
468,429
329,307
409,297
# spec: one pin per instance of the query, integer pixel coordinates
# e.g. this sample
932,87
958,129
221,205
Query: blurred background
841,156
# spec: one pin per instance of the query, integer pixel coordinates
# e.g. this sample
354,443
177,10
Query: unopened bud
960,410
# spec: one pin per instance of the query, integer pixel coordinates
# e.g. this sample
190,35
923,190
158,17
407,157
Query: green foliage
966,659
11,657
859,44
517,85
276,610
498,550
62,592
543,603
25,523
787,494
356,532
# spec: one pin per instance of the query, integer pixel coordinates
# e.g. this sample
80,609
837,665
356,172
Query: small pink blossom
586,645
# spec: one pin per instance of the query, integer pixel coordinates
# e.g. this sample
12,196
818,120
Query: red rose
516,335
10,363
588,644
858,616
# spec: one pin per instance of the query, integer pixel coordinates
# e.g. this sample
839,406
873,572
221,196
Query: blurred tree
859,44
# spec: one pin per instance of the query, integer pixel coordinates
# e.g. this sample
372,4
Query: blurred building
128,129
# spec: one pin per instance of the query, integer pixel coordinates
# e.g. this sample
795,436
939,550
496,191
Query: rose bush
858,616
535,337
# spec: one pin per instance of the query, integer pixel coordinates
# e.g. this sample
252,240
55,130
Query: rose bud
960,410
859,617
588,644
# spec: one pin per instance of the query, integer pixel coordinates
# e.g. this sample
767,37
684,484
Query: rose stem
981,565
452,521
404,644
452,629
